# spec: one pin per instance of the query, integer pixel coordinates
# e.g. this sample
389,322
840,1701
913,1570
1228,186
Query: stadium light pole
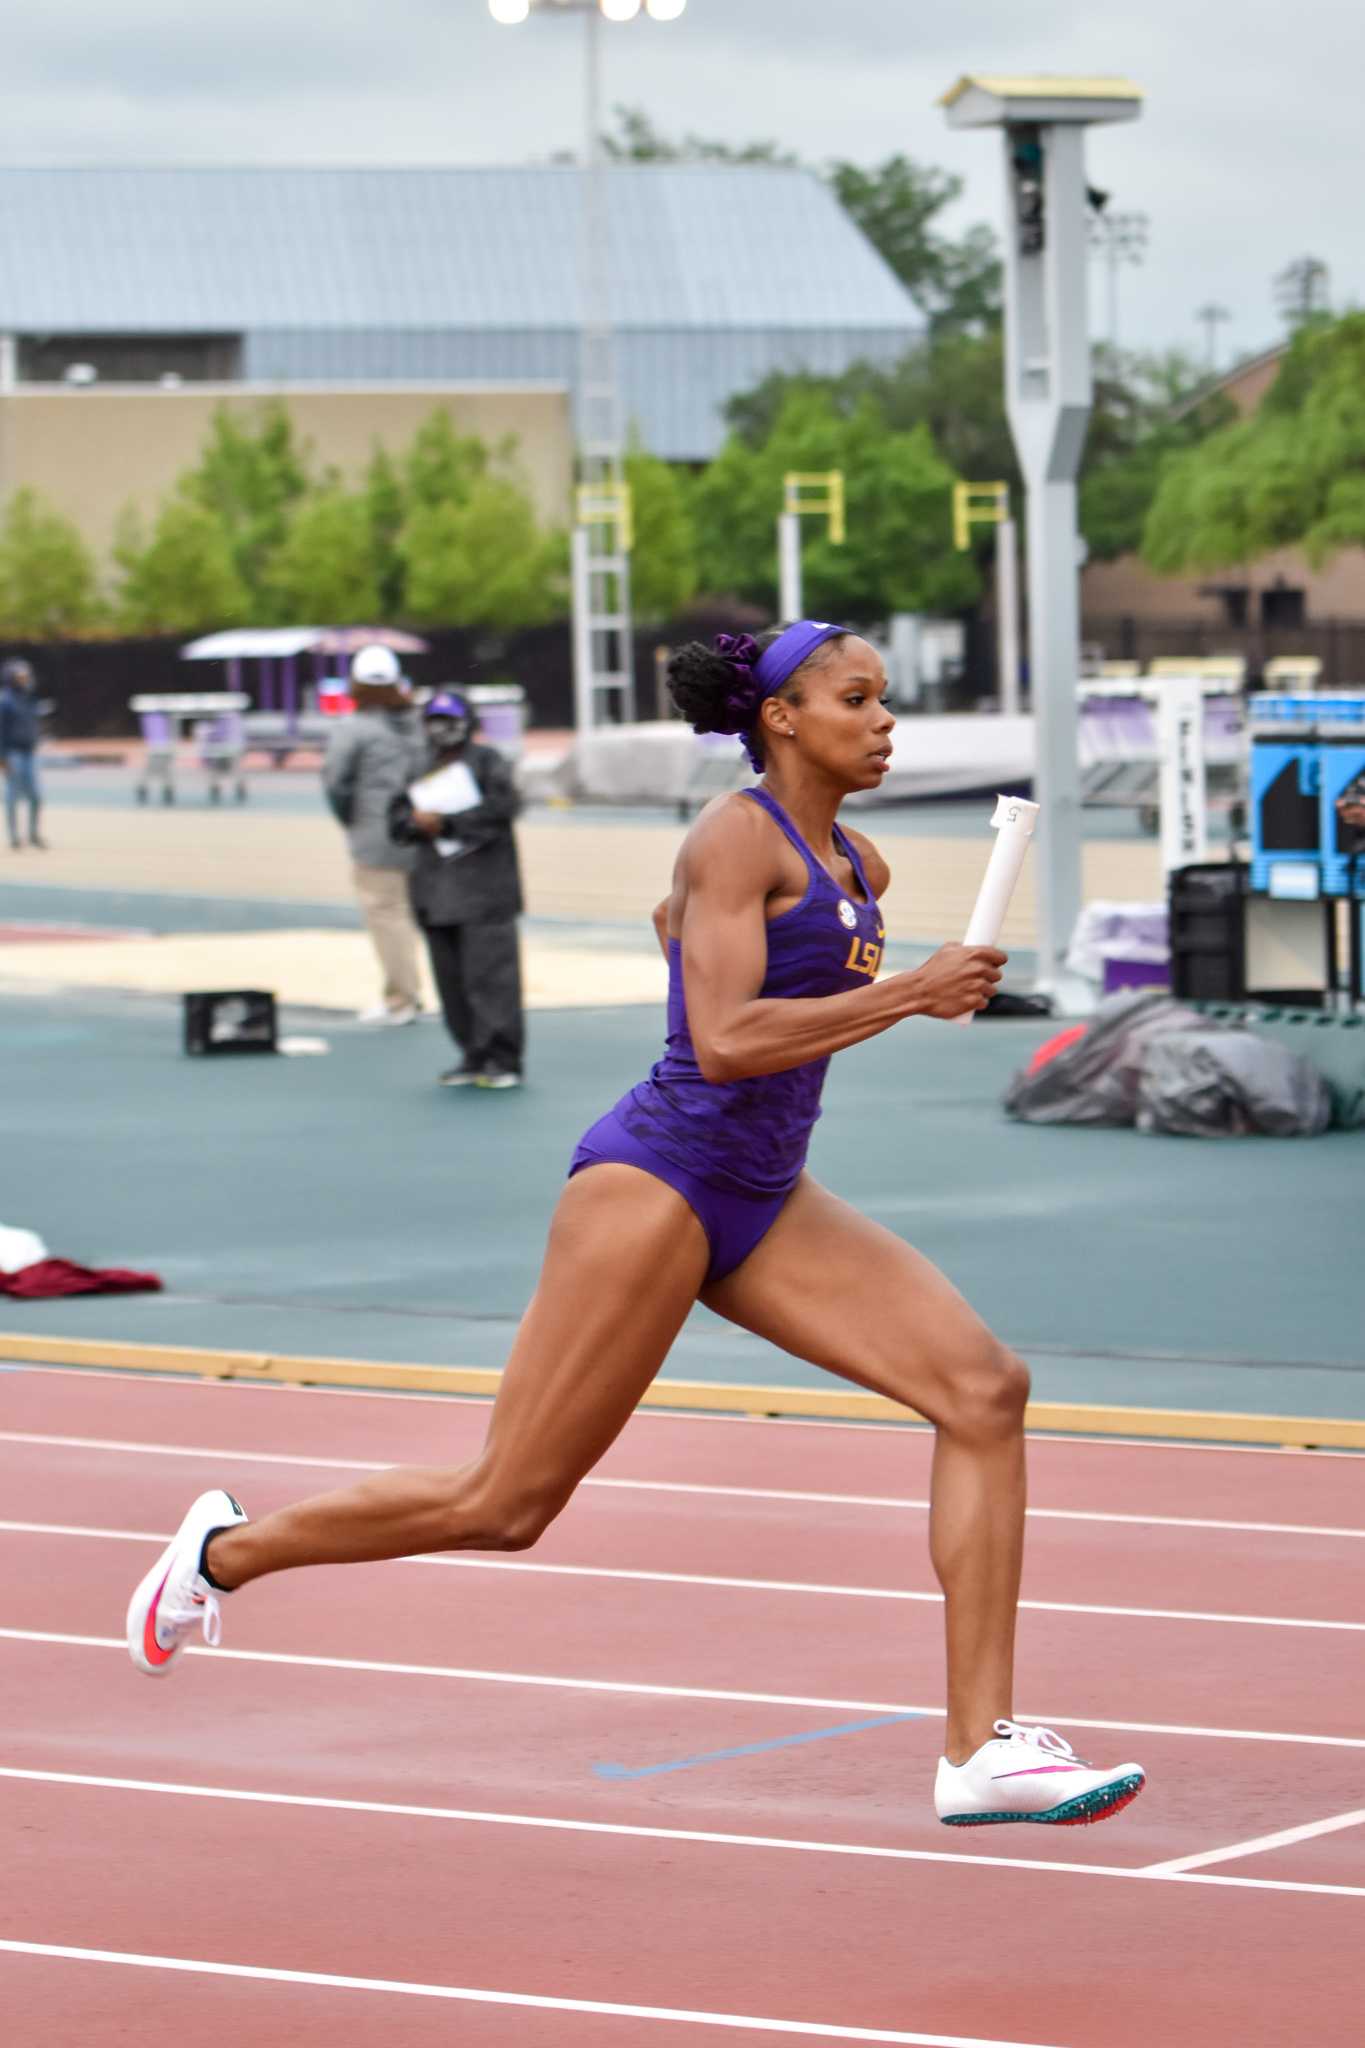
1048,396
1119,238
603,640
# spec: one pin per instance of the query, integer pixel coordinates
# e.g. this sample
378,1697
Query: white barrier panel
1184,804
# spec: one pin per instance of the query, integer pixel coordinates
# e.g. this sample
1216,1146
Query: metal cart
214,719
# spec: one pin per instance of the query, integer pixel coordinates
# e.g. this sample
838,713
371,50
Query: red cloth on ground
49,1277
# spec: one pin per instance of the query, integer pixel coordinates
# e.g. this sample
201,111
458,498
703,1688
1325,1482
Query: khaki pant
384,905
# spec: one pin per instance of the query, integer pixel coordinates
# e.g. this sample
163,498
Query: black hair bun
704,685
701,683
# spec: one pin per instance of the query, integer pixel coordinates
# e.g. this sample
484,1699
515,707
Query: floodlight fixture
511,13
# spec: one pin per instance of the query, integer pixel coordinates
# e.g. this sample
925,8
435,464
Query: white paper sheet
446,791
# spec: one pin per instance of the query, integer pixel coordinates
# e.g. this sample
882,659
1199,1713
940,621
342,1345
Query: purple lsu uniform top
735,1149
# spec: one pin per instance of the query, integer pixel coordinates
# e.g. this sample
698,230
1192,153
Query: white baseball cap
375,664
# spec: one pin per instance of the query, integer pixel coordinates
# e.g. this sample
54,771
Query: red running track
380,1811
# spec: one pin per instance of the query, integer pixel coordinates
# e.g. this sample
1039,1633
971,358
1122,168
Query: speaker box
233,1020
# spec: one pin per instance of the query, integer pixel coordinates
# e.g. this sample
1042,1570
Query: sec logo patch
848,916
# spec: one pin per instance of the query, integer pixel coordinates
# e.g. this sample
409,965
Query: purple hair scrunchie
758,675
737,708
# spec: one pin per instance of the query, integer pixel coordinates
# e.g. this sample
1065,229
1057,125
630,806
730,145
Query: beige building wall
1127,588
91,452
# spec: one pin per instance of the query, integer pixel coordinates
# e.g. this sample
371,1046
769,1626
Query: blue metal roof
235,251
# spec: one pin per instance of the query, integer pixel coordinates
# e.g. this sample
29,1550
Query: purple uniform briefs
735,1149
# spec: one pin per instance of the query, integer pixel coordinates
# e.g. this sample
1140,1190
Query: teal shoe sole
1074,1813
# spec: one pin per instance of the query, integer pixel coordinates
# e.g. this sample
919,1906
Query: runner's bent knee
986,1399
509,1513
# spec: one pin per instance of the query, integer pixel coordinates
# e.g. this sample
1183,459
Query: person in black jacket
466,895
20,721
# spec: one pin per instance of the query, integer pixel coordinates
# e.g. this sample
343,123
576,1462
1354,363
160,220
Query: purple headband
758,675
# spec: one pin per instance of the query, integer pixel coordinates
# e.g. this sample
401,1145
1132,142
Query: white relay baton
1013,819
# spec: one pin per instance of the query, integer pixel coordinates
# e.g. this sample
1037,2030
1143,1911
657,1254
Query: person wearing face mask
466,891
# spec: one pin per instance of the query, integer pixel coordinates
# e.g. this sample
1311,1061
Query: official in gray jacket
466,893
373,756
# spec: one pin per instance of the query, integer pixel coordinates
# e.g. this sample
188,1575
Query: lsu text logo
865,956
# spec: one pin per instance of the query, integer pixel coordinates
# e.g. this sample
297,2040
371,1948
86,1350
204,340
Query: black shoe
34,840
498,1077
458,1077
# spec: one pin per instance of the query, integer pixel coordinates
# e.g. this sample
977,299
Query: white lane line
673,1692
467,1562
811,2030
855,1500
1172,1873
1283,1840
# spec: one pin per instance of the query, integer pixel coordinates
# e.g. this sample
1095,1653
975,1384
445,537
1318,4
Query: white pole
1047,352
580,574
790,601
1007,615
1184,805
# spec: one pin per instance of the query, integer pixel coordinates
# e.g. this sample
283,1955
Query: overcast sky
1248,153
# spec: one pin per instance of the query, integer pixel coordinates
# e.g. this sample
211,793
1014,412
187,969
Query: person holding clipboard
466,892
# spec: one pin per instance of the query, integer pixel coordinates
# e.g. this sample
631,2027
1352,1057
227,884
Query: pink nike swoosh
151,1647
1036,1771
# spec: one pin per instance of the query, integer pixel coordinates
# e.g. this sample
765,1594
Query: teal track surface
346,1206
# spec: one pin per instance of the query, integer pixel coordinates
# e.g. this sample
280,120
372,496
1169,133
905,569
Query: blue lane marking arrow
717,1756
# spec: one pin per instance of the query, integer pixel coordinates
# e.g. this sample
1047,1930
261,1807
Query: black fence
90,682
1338,643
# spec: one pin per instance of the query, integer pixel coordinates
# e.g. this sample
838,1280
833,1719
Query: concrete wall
92,451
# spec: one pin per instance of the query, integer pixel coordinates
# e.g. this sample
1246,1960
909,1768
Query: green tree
955,284
181,580
48,582
483,561
899,553
1293,475
250,477
385,510
441,467
1148,408
1145,409
663,565
955,386
637,141
325,567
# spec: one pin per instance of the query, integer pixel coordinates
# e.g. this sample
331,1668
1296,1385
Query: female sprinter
773,938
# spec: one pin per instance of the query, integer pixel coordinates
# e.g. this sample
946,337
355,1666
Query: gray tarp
1149,1061
1230,1084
